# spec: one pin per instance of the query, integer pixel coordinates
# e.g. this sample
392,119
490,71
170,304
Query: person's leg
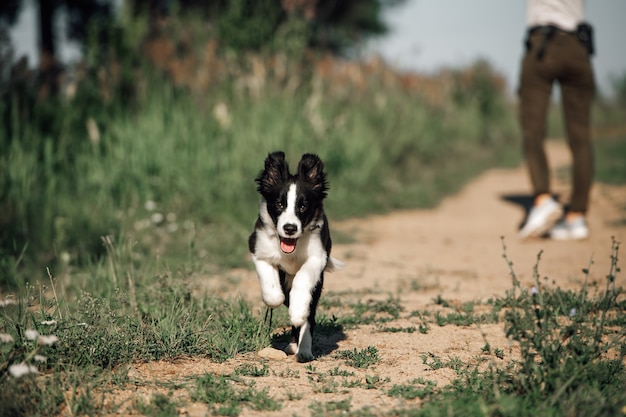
534,93
577,91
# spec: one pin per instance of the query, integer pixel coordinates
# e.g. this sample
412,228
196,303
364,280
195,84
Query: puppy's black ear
276,171
311,170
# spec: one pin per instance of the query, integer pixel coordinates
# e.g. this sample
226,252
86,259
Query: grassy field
171,169
70,356
109,209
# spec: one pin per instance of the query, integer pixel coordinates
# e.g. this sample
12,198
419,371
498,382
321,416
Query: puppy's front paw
298,314
273,297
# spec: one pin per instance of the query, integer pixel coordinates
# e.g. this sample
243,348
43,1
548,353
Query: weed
289,373
563,337
423,326
374,381
27,346
159,406
499,353
571,355
436,362
455,318
418,388
220,394
440,301
371,312
30,396
258,400
386,329
322,384
248,369
330,408
292,396
360,359
340,372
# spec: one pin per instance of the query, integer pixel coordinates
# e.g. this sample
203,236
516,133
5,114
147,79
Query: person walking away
559,46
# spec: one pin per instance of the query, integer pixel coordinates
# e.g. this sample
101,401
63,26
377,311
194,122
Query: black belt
552,29
584,33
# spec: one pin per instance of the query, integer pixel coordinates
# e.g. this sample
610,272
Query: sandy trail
454,251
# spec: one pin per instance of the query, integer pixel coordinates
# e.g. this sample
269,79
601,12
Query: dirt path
453,252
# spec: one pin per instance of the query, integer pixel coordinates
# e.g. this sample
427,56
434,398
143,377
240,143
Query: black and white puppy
291,243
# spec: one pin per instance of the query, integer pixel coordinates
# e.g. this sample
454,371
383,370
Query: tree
80,15
341,25
329,25
9,10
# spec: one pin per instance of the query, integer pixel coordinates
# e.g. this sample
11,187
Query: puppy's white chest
291,264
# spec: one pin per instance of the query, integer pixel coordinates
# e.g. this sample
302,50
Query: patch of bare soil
454,252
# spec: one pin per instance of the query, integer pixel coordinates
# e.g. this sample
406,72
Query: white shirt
565,14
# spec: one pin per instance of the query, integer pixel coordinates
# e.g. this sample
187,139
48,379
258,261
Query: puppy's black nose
290,228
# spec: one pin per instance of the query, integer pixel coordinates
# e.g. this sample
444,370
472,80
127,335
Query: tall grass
167,167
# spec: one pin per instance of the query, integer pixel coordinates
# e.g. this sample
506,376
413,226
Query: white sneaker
570,230
541,218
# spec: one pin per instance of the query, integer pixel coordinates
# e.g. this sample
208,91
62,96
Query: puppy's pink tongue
288,245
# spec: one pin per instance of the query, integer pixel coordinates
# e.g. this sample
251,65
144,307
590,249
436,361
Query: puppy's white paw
291,349
298,314
299,302
273,297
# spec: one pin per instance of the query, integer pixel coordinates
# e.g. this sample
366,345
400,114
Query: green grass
418,388
572,346
168,173
225,399
363,358
609,154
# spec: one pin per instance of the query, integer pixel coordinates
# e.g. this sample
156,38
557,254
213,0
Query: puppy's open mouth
288,245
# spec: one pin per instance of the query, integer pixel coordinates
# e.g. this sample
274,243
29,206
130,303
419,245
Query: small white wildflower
533,290
222,115
142,224
572,312
65,257
7,302
31,334
40,358
49,322
85,325
150,205
171,217
172,227
6,338
20,369
157,218
47,340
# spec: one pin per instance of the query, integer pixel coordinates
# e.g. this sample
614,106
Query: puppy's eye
303,208
279,205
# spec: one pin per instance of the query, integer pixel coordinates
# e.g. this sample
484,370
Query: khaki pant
567,61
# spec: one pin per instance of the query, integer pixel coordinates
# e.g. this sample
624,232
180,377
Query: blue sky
426,35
